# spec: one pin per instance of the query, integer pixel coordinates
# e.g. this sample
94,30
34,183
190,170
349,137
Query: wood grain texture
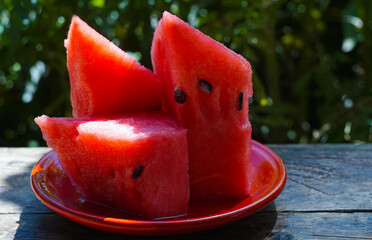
328,195
326,177
16,195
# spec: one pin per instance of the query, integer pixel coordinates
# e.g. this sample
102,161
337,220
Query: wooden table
328,196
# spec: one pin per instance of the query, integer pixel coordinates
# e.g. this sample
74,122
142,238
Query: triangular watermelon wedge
136,162
206,87
104,79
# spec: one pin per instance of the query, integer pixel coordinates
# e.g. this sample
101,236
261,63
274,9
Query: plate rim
161,226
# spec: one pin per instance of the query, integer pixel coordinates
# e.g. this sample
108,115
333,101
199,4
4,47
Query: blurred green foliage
311,59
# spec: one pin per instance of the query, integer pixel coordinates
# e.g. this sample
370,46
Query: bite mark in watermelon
137,162
206,87
104,79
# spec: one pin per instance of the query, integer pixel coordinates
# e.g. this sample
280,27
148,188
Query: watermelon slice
137,162
104,79
206,87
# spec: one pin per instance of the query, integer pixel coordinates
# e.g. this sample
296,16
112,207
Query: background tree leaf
312,60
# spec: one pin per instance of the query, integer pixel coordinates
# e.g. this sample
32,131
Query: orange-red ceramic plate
53,188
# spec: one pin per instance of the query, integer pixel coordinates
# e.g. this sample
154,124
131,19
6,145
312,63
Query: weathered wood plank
258,226
15,191
326,177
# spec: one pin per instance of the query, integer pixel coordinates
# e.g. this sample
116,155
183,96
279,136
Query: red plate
53,188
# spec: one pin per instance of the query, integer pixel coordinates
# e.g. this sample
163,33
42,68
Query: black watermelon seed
179,96
137,171
240,103
205,86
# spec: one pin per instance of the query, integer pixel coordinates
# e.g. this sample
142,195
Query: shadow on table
36,218
33,226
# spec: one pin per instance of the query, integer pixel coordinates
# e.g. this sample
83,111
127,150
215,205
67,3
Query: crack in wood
308,186
313,170
319,211
337,236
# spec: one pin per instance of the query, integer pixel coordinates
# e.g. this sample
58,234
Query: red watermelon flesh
104,79
206,87
137,162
